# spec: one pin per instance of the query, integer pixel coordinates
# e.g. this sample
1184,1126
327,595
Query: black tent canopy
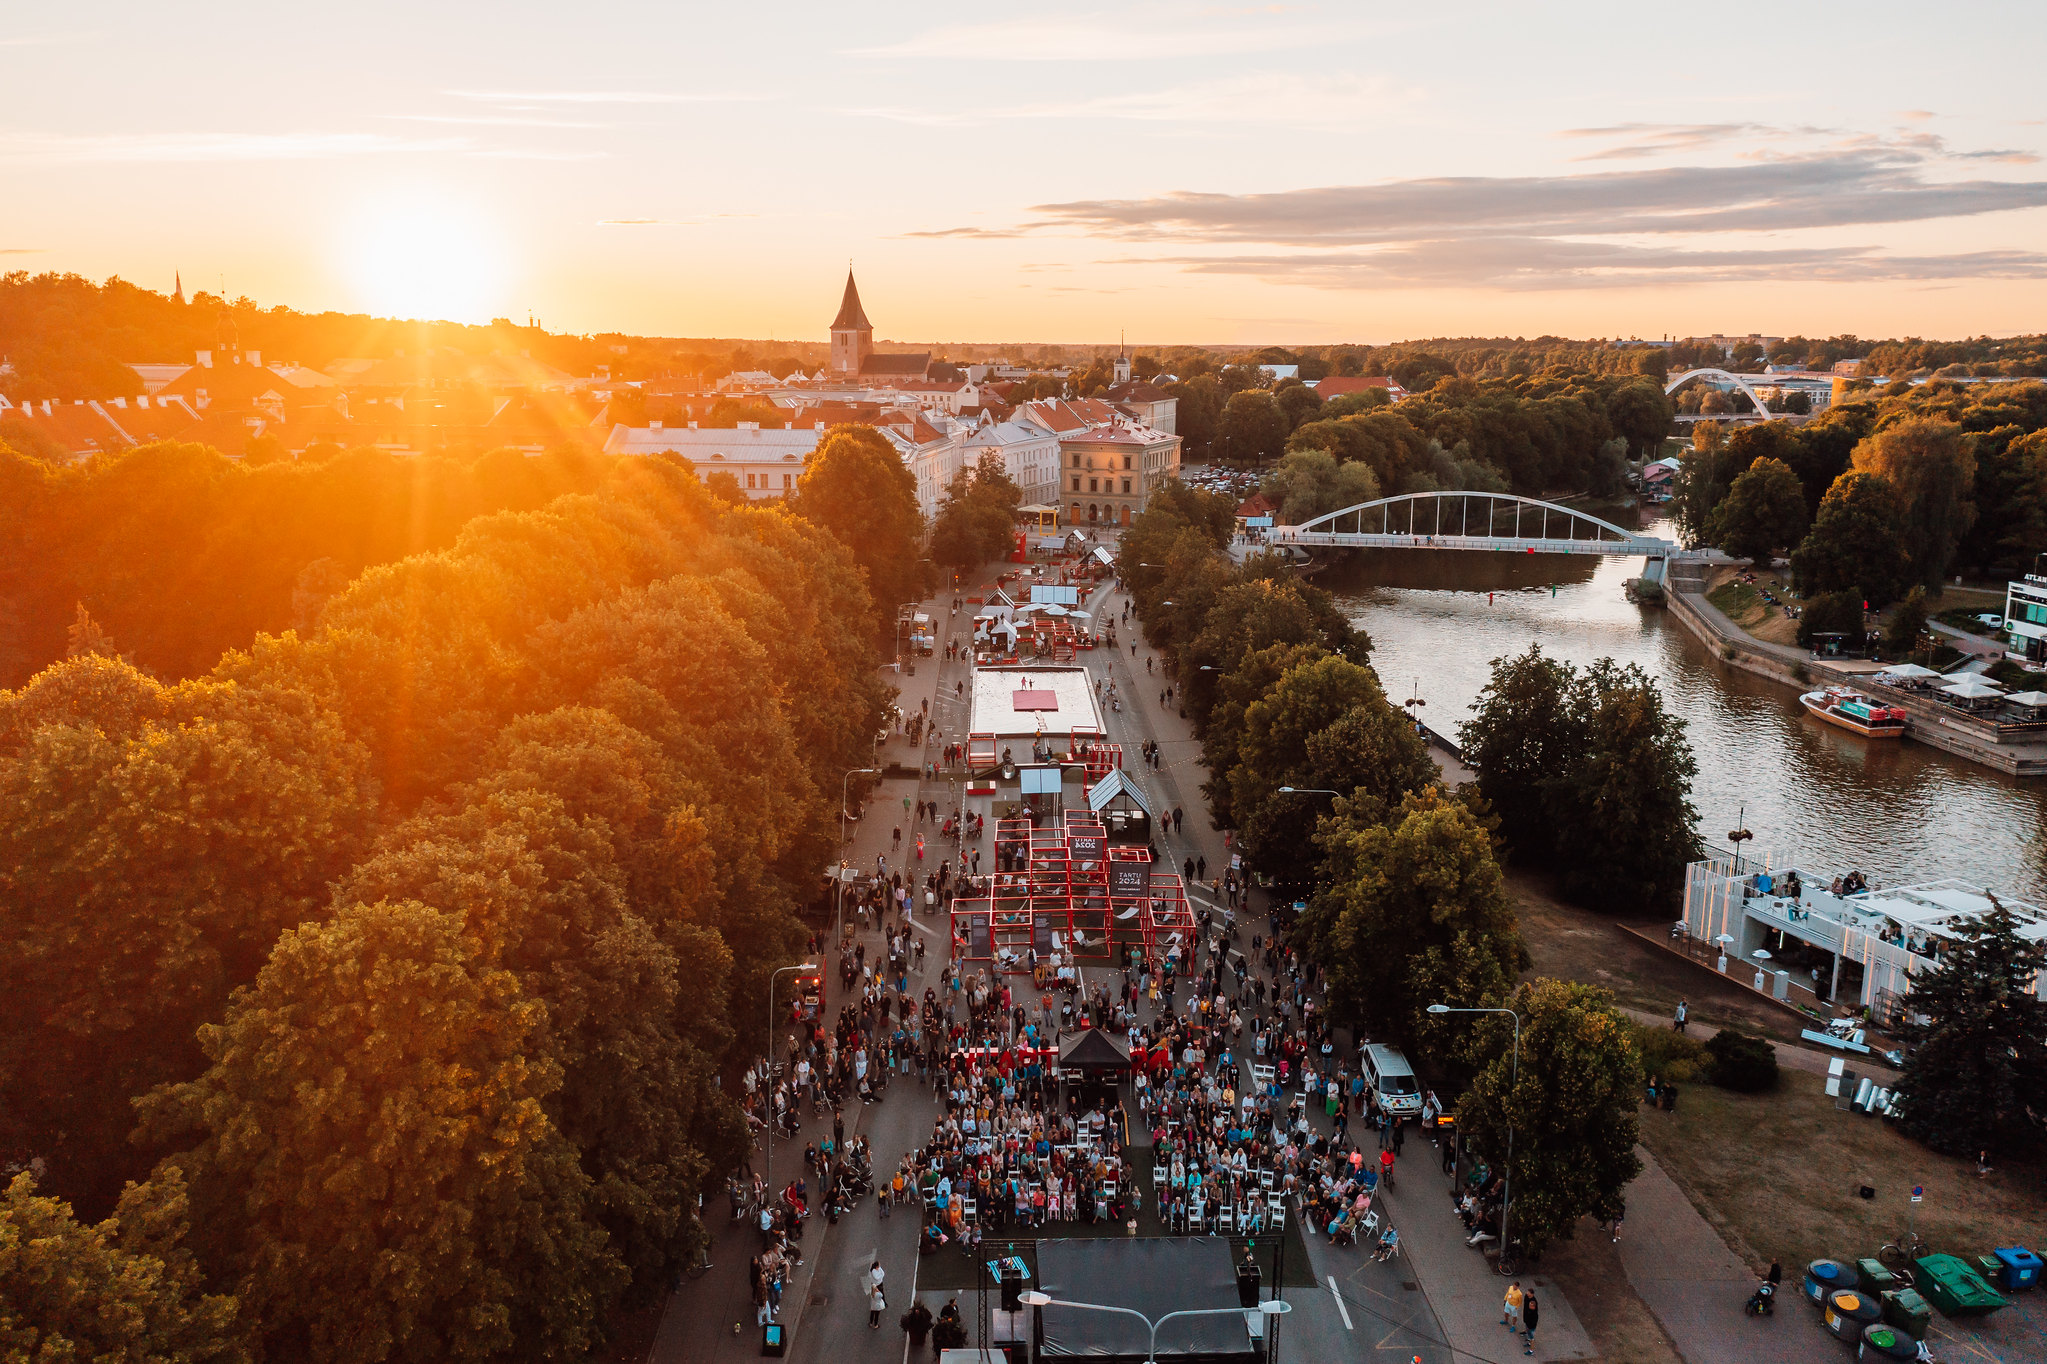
1092,1053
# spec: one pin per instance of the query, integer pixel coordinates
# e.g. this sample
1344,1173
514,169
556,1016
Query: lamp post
839,890
1308,791
1506,1193
1739,836
1270,1307
772,975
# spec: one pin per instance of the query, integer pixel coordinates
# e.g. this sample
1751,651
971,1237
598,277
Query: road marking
1341,1309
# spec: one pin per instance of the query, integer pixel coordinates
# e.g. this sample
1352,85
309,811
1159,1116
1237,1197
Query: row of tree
393,966
1406,904
1881,494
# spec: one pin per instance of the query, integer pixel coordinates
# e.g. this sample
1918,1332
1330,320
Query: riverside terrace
1876,937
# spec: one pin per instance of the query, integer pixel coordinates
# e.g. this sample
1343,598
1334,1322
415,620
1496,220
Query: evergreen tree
1976,1070
1856,542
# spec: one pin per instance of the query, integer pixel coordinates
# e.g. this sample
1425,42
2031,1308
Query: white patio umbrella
1725,937
1972,689
2028,698
1053,610
1761,954
1909,670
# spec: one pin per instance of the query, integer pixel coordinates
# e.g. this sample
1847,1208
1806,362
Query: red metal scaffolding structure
1066,887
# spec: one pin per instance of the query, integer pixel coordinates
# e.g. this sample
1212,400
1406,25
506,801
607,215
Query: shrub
1744,1064
1670,1055
1801,672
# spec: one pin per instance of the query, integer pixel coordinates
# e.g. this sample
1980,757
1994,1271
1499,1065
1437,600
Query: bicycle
1906,1250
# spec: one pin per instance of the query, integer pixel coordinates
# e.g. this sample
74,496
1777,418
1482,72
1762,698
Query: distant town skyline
1289,173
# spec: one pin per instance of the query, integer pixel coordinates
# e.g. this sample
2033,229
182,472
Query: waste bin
1990,1267
1873,1278
1846,1311
773,1342
1824,1276
1886,1342
1955,1287
2021,1269
1906,1310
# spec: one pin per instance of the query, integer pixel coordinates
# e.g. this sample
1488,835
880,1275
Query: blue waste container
2021,1268
1826,1276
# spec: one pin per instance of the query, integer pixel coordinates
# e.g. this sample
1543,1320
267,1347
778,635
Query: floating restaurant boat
1853,711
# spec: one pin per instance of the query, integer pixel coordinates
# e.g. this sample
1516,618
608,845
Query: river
1900,811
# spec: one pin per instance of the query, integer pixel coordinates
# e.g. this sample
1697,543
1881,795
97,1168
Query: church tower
852,334
1122,366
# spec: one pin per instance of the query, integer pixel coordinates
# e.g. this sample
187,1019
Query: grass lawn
1777,1174
1744,605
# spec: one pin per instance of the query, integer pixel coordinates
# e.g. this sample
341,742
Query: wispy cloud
493,121
1256,99
1824,190
1050,38
1660,139
201,148
605,96
649,222
22,250
1530,264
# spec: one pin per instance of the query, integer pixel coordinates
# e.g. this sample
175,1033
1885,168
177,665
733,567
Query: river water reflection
1900,811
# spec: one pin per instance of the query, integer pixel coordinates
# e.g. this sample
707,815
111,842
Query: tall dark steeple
178,295
852,333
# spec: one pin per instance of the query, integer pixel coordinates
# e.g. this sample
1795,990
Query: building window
1091,485
1126,461
749,481
1076,483
1126,485
788,482
1076,461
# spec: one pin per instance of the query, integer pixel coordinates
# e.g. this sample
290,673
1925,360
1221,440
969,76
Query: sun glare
425,258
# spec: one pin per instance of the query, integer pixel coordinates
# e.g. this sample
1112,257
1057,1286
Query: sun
427,258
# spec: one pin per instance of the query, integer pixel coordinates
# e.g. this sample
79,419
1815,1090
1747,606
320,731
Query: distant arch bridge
1498,523
1762,409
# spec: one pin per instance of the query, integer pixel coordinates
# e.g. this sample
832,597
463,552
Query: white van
1392,1081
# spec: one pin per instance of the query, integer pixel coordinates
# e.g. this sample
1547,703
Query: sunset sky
1291,173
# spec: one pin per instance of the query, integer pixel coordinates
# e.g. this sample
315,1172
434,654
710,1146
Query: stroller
1762,1302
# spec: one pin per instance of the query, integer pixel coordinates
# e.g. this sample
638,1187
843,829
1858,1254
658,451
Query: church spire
851,317
178,295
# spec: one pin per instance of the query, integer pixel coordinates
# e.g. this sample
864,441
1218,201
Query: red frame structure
1071,895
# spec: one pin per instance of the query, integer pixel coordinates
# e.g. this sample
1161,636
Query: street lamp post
1308,791
1514,1084
838,890
772,975
1271,1307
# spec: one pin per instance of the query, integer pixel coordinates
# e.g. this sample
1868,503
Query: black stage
1152,1275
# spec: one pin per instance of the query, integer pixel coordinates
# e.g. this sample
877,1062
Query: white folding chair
1265,1180
1371,1224
968,1209
1278,1222
1226,1220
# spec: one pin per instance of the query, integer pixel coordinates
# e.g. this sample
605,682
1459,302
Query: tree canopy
859,489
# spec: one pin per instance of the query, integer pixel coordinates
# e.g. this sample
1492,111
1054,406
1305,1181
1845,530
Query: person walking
1510,1306
1677,1020
877,1298
917,1324
1530,1314
1619,1216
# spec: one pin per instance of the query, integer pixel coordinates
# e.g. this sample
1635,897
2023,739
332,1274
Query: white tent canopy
1972,690
1909,670
2028,698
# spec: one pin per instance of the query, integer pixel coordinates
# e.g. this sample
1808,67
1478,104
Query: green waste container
1886,1342
1955,1288
1873,1278
1991,1268
1846,1311
1906,1310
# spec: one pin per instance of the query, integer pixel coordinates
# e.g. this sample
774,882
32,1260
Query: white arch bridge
1497,523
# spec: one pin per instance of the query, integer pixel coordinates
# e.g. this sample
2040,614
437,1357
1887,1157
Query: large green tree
1588,773
1976,1067
1934,470
1763,513
1570,1105
1856,543
1324,724
857,487
1412,911
125,1291
1309,483
376,1173
1252,430
976,521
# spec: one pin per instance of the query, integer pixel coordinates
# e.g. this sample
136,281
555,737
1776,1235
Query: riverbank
1928,724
